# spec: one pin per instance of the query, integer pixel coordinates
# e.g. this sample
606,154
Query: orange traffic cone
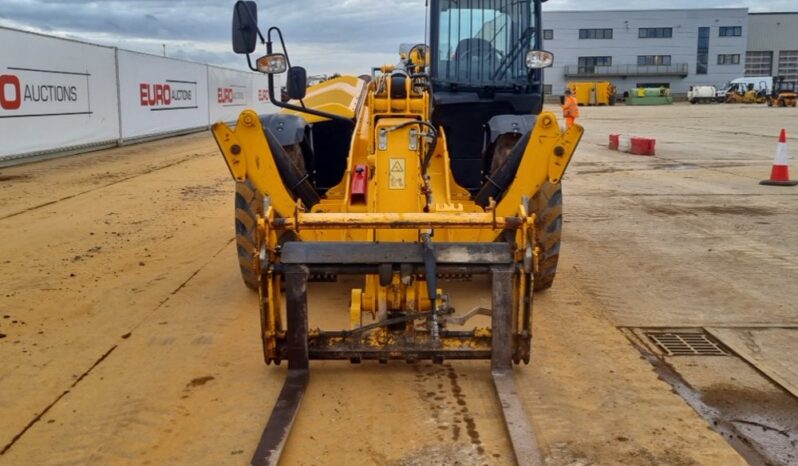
780,173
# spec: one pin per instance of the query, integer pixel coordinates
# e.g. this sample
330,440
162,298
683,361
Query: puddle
758,419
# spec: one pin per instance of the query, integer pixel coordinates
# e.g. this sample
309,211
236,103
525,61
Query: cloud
348,36
753,6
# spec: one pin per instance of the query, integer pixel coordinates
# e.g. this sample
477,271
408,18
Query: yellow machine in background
783,94
593,93
441,166
740,94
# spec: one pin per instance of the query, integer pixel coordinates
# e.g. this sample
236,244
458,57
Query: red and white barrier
614,141
643,146
632,144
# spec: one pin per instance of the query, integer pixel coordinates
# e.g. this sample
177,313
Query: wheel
547,206
501,150
248,204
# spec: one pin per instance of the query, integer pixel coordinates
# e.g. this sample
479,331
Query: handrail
627,70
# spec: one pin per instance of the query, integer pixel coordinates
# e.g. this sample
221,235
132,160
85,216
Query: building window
758,63
730,31
729,59
547,89
655,33
548,34
654,85
595,33
589,64
702,55
653,60
788,65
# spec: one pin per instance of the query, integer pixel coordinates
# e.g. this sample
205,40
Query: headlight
536,59
274,63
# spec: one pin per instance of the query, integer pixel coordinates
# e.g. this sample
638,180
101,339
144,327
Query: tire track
47,408
121,180
108,352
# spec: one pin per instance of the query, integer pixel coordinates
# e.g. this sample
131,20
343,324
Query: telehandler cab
443,165
783,94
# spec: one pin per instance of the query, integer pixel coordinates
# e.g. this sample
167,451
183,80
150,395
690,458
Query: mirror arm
285,105
282,43
249,63
303,109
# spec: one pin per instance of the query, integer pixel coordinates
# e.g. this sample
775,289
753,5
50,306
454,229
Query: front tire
547,206
248,204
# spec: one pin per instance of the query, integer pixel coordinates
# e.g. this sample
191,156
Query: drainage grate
676,343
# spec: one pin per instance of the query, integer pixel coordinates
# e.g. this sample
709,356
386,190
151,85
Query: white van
760,83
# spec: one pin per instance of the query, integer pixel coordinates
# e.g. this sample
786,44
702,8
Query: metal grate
675,343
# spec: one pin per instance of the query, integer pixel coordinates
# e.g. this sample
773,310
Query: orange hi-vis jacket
570,108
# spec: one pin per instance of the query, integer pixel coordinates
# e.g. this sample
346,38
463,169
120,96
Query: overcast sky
325,36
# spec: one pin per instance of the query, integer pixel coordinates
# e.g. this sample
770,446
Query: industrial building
671,48
772,45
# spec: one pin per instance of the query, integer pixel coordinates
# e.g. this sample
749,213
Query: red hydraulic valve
360,185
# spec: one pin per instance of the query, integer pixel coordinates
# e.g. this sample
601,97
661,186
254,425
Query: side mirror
245,26
296,82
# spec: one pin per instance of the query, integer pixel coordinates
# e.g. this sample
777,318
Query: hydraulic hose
426,158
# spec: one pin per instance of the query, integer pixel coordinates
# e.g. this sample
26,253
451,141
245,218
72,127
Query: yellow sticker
396,177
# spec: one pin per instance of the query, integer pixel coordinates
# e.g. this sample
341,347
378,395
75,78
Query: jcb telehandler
443,165
783,94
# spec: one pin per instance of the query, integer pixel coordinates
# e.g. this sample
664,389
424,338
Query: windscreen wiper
509,59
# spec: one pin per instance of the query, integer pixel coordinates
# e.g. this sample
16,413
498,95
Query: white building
773,45
647,48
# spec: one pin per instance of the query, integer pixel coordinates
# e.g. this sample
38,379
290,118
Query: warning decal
396,178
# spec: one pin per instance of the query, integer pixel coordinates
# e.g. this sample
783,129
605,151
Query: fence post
118,95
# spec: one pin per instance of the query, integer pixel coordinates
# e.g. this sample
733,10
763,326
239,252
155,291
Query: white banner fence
64,96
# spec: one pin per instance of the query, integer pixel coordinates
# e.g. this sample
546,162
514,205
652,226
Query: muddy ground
127,337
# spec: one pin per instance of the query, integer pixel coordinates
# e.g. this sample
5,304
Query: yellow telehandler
783,94
443,165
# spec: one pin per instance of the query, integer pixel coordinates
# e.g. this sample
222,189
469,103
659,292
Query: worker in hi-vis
570,108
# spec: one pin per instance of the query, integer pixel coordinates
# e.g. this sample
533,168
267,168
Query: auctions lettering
162,95
11,97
